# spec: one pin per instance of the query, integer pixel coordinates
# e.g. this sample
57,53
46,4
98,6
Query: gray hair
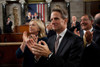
89,16
63,12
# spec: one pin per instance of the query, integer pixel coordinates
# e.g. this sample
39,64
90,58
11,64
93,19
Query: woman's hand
25,39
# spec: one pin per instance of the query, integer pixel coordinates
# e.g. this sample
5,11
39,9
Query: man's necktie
56,43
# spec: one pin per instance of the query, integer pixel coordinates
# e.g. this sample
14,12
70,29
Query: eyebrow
56,18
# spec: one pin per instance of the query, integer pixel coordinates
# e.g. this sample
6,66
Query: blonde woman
37,33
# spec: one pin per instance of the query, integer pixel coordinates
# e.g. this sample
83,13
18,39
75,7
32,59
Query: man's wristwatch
49,56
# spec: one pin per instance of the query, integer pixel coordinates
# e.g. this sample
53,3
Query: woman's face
33,27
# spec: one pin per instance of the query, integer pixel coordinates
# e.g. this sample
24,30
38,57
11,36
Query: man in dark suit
86,24
96,33
28,18
91,54
49,31
8,26
75,24
70,47
35,16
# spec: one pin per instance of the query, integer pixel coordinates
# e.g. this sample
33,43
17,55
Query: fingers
76,32
34,37
32,44
89,36
25,37
36,51
38,47
44,43
25,33
75,29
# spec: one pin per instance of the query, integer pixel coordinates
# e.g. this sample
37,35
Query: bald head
97,19
97,16
74,18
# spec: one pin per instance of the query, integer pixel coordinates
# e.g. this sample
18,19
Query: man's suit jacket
77,26
91,56
27,20
96,35
68,54
50,33
82,33
36,17
8,28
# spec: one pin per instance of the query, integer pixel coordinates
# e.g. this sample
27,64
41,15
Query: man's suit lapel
81,33
64,42
52,45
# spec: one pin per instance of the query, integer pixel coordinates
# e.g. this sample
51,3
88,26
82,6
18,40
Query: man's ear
92,21
66,20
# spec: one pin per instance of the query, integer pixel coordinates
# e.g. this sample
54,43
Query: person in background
91,55
35,16
28,18
63,49
50,30
96,33
8,26
37,30
86,24
75,24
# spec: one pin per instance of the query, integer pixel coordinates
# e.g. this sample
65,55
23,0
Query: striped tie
56,43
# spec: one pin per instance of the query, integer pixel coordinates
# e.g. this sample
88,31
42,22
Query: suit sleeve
10,24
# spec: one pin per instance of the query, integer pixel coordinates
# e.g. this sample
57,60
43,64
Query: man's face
8,19
29,14
86,23
73,18
58,23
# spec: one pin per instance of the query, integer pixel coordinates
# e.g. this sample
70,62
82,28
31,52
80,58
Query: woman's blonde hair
41,26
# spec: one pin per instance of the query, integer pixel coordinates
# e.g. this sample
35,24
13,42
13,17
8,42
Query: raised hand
35,38
40,50
89,36
76,32
31,42
25,36
25,39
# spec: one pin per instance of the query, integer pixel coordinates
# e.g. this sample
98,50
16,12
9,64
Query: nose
30,26
52,21
82,21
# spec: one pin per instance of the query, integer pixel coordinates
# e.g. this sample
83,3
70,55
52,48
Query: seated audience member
96,33
8,26
91,54
37,31
35,16
74,24
63,49
49,30
28,18
86,24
